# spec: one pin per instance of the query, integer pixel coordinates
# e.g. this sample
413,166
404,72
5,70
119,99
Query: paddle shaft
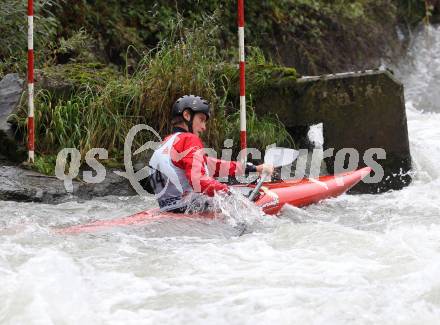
258,186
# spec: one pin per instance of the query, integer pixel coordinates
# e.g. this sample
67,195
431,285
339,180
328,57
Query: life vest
168,181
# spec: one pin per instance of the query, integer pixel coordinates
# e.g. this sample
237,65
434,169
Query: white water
370,259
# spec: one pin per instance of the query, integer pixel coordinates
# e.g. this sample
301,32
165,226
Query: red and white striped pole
242,65
31,126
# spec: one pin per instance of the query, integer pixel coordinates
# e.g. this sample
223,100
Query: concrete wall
358,110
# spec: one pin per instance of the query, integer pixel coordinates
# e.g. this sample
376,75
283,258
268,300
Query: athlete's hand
266,169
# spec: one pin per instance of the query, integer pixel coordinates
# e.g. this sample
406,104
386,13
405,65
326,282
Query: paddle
277,157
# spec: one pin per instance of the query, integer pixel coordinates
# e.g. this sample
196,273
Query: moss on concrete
260,78
64,79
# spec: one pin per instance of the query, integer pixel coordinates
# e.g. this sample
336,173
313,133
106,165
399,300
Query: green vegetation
114,64
303,33
262,132
96,108
315,36
44,164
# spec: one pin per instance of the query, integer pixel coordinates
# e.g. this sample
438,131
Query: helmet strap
189,123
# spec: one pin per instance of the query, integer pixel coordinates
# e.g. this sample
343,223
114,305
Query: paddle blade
279,157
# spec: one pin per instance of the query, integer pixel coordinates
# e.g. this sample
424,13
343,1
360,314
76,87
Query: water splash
420,70
231,208
238,210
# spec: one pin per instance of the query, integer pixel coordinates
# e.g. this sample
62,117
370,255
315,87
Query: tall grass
261,131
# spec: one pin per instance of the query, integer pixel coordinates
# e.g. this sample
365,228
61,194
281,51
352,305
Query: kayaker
180,166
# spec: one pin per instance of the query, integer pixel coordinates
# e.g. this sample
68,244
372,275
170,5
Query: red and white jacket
180,166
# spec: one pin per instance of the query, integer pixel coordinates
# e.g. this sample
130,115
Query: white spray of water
420,71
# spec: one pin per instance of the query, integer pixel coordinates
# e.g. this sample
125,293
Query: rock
113,184
18,184
358,110
11,88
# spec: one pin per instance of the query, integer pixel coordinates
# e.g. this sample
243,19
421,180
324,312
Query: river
366,259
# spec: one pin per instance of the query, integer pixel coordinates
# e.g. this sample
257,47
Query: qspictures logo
69,162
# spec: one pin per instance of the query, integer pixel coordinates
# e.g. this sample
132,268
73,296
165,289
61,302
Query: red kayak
273,196
307,191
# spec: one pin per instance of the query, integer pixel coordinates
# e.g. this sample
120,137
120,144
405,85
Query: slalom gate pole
242,65
30,82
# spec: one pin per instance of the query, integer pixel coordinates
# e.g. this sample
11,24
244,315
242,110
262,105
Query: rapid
365,259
